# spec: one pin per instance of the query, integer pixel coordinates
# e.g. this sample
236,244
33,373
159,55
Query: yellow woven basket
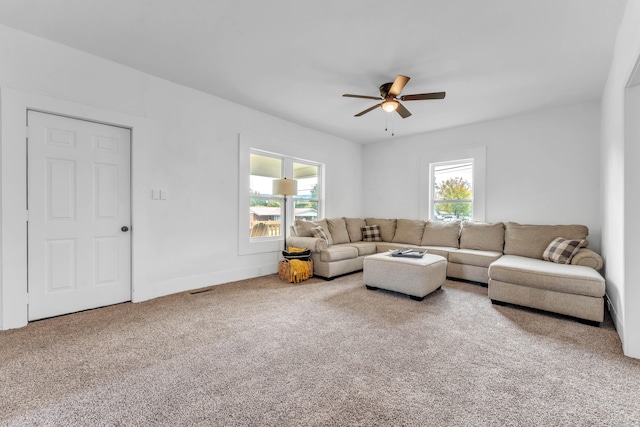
284,272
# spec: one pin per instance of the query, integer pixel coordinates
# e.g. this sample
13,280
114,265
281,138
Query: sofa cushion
409,231
482,236
561,250
387,227
354,226
532,240
441,233
434,250
338,253
338,230
371,233
536,273
444,251
364,248
474,257
305,228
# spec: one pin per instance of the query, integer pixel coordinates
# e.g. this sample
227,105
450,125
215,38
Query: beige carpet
263,352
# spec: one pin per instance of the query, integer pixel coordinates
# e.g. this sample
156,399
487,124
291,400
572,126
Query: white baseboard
188,283
617,322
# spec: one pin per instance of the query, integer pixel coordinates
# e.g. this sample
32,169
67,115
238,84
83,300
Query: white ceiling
294,59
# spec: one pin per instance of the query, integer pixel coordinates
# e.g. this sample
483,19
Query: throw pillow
319,233
561,250
371,233
303,228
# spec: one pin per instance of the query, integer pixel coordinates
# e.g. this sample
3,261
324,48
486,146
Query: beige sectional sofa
506,257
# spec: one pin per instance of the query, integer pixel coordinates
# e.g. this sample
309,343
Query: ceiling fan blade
419,96
398,85
348,95
404,113
367,110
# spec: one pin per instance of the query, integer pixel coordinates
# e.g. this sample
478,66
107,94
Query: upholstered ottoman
416,277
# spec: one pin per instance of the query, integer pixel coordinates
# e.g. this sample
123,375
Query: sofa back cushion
441,233
305,229
409,231
354,228
482,236
531,240
338,230
387,227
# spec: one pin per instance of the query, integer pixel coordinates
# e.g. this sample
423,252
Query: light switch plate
163,194
155,194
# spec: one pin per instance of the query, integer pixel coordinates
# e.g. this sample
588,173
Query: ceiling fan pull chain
392,133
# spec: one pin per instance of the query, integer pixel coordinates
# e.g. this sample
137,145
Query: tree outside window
452,190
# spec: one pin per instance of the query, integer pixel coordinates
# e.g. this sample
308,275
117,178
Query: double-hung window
307,201
451,185
266,210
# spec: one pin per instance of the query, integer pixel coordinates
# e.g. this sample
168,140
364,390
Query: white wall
183,140
541,168
620,177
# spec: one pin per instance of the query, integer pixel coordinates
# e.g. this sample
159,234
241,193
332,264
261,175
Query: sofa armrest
588,258
316,244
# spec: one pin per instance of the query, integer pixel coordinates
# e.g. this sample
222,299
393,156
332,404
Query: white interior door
79,246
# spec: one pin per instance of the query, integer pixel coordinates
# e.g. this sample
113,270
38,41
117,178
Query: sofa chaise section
522,277
572,290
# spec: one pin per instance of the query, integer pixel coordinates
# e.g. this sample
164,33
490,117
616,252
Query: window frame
319,180
478,154
432,183
251,144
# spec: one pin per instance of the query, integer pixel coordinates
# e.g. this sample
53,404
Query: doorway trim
14,104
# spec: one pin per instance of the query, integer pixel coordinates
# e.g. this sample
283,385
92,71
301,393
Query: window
436,162
307,202
262,159
265,209
451,190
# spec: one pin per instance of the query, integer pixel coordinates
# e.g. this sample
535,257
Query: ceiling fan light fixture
389,105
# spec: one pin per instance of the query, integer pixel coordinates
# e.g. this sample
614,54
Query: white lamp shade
285,187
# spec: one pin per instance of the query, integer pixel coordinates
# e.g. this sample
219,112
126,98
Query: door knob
125,228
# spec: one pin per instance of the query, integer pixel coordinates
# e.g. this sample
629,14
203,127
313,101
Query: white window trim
479,179
432,176
248,143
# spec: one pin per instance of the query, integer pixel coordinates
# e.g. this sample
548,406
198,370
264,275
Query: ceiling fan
391,101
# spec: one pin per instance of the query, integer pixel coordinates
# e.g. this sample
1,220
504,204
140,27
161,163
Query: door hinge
27,216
